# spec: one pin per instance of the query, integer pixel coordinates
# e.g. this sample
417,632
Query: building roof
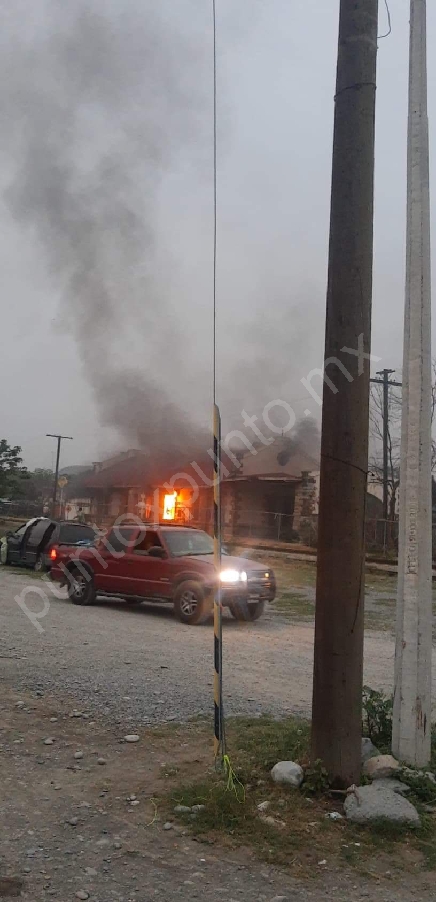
131,470
285,458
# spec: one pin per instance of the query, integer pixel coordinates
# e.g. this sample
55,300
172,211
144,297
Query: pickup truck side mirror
157,551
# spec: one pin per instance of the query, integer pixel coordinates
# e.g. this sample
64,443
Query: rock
91,872
82,894
168,826
272,821
368,750
101,761
73,821
263,806
280,899
19,704
334,816
197,808
367,804
288,772
117,845
393,785
430,777
49,741
182,809
380,767
134,802
53,720
78,756
10,887
76,714
132,737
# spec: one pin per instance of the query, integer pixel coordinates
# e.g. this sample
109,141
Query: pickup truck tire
191,603
247,610
81,588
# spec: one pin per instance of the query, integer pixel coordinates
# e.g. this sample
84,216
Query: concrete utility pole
412,697
58,454
337,691
385,382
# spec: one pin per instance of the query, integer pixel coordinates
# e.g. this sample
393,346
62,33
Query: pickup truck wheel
81,588
247,610
191,603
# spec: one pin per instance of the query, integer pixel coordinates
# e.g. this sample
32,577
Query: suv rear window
73,533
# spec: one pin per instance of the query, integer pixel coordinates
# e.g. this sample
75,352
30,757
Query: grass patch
295,829
294,606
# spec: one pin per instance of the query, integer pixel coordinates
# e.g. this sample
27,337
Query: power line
389,31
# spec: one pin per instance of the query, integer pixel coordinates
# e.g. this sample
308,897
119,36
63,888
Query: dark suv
30,545
165,563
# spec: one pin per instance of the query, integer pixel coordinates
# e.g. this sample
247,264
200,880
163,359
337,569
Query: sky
107,159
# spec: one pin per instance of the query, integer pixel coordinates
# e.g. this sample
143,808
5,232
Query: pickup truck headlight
233,576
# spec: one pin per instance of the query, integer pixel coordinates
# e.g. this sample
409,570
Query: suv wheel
191,603
247,610
81,587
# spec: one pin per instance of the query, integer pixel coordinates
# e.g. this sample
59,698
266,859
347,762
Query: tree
394,439
38,486
12,472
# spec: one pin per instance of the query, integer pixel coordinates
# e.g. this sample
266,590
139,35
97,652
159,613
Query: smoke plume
97,105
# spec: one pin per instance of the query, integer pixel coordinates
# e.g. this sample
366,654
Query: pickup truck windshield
188,542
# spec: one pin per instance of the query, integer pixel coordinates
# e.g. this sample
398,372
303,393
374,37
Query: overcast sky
276,75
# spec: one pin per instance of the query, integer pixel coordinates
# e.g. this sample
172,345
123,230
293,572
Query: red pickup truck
165,563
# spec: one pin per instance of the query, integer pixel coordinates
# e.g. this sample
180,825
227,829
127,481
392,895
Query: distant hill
75,470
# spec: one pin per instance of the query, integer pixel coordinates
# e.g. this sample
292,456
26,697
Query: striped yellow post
217,610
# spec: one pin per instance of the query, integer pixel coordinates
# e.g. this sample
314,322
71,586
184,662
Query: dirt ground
72,825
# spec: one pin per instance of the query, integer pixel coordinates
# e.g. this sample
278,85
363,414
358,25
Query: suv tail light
53,554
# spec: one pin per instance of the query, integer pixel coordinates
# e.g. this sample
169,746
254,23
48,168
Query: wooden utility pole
58,454
413,654
337,691
385,382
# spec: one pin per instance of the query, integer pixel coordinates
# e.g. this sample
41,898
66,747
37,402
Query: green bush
377,718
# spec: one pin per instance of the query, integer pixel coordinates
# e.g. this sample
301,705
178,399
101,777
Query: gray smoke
98,102
97,105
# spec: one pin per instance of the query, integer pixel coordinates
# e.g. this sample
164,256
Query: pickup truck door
111,563
150,575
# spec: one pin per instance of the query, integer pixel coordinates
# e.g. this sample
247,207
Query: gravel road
71,832
141,665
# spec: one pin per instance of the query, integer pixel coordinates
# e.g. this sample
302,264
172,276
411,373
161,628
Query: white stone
381,767
263,806
368,803
288,772
78,756
393,785
82,894
132,737
182,809
49,741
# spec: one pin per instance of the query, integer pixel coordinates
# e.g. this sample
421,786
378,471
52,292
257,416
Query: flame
169,508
